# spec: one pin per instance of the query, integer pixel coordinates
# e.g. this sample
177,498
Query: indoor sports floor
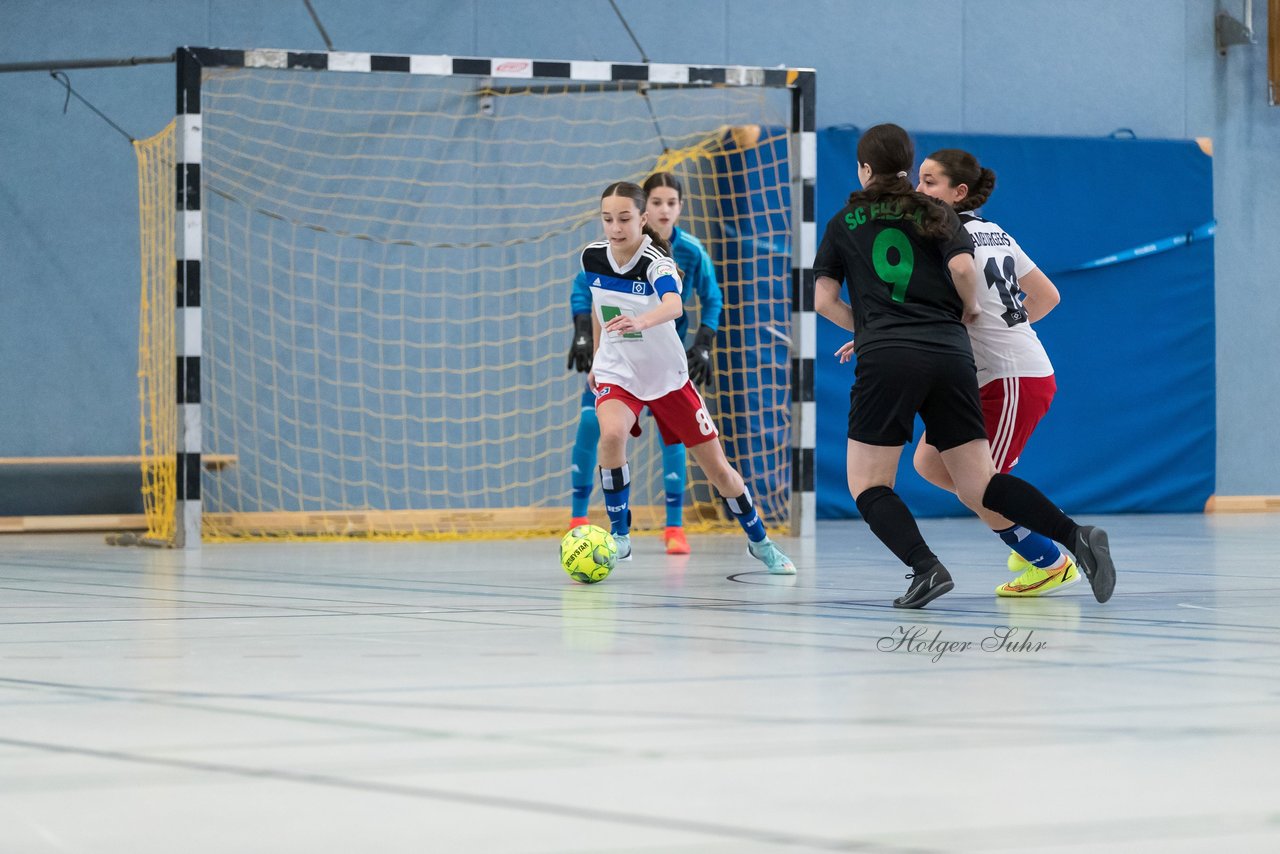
468,697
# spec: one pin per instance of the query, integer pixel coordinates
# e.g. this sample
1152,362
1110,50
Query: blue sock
616,484
1035,549
584,460
745,512
673,464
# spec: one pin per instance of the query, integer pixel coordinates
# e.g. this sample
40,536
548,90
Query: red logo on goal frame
511,65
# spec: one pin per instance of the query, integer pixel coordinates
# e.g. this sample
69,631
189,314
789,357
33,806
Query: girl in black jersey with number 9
908,264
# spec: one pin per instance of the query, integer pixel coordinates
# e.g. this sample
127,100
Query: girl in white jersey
1015,375
640,361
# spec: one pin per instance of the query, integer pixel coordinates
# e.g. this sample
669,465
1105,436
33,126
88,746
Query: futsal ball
588,553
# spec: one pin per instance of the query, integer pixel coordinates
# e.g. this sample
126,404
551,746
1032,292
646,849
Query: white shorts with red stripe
1011,408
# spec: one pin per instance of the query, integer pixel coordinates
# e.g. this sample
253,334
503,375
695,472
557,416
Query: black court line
649,822
489,590
420,586
995,722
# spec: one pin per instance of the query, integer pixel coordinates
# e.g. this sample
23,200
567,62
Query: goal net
380,309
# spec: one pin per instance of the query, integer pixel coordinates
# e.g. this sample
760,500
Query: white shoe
624,546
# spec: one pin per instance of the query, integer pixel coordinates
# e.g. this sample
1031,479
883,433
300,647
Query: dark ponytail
658,240
961,167
636,193
887,149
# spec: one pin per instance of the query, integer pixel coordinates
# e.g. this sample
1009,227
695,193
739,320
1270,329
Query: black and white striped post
801,81
804,320
188,319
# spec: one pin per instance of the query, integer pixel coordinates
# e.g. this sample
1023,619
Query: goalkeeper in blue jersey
664,196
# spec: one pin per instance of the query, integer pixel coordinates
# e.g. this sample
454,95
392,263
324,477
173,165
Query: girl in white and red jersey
640,361
1015,376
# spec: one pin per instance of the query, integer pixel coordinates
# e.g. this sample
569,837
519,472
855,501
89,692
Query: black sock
891,521
1020,502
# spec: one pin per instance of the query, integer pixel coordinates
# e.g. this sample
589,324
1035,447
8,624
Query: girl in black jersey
908,263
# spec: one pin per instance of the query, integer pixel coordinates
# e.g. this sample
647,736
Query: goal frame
188,320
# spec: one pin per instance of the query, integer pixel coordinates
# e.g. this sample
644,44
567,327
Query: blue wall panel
1132,427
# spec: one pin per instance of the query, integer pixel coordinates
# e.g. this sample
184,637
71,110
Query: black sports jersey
899,286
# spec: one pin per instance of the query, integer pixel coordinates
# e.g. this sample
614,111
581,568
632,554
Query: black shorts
892,384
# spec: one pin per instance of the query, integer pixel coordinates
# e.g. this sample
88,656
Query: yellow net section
156,348
387,268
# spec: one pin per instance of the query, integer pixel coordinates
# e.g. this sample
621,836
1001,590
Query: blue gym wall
68,233
1132,427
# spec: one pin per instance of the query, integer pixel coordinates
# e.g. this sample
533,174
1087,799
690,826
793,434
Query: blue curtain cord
1203,232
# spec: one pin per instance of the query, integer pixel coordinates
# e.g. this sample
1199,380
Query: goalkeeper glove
699,355
580,351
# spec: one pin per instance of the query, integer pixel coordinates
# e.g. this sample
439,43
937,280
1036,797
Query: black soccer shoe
926,586
1093,556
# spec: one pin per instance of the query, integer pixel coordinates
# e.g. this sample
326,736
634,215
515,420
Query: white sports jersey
1004,344
648,364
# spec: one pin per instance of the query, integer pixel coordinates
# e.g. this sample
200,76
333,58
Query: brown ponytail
887,149
961,167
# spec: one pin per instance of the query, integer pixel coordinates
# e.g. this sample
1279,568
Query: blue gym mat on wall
1124,228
